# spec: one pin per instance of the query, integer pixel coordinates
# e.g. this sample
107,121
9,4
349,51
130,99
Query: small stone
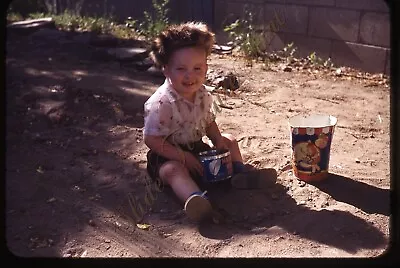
287,69
302,183
51,200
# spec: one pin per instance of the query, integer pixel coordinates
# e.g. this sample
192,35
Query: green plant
245,36
130,23
328,63
288,52
68,20
153,25
12,17
318,61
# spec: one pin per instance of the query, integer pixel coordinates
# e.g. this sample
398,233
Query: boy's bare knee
171,169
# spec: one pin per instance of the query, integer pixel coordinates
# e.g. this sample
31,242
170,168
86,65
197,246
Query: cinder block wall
352,33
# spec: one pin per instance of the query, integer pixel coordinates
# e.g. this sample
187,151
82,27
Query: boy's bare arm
214,134
162,147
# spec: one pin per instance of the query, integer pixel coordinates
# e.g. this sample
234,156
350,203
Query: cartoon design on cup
311,139
322,141
307,156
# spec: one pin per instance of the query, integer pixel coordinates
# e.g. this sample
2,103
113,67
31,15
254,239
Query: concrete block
335,23
274,41
220,13
375,29
235,10
364,57
370,5
226,12
182,11
289,18
311,2
307,45
252,1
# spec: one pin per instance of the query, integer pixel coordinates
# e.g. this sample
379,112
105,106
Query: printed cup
217,165
311,138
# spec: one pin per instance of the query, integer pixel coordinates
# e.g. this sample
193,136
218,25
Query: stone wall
353,33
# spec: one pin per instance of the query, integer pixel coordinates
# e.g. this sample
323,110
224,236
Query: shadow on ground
74,153
72,127
262,211
361,195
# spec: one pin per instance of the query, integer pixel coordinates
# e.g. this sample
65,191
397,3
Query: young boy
180,113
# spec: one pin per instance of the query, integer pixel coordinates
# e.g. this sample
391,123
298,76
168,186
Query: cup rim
216,154
306,121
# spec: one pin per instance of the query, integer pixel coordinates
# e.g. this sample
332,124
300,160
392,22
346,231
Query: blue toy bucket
217,165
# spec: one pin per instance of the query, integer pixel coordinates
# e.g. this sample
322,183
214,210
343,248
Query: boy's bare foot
198,207
254,179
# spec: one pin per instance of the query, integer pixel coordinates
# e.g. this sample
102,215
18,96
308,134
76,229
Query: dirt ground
75,157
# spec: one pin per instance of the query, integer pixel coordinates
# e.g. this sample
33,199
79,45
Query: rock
103,40
101,55
144,65
27,27
287,69
155,71
229,81
220,49
83,38
46,34
128,53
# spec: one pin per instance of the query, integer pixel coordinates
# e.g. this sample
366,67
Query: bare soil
75,157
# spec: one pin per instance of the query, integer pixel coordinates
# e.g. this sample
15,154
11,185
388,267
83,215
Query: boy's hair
189,34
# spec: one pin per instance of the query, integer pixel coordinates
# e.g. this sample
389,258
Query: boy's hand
220,144
193,164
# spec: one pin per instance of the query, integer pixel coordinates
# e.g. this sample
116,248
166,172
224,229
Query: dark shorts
155,161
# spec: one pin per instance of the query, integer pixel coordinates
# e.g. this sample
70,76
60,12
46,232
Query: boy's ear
164,70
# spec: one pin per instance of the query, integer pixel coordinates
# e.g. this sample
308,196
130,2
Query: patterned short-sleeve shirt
168,114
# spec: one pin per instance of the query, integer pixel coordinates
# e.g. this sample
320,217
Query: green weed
154,24
318,61
245,36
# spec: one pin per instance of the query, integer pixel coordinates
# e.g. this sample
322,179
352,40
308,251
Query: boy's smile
187,70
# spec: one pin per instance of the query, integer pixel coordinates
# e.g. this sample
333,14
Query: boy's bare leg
233,147
177,176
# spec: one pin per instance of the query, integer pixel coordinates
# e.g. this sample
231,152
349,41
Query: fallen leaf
83,254
143,226
51,200
40,169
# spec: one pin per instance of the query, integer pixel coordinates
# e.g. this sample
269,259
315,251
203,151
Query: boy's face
186,70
